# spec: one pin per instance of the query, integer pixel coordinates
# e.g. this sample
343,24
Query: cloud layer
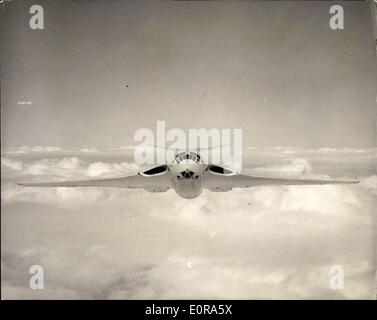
269,242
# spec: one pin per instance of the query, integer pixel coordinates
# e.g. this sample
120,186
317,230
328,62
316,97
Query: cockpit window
188,174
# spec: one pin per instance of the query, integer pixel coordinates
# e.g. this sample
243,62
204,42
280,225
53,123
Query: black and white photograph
188,150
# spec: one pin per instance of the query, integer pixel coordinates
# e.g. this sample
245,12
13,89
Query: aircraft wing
220,183
151,183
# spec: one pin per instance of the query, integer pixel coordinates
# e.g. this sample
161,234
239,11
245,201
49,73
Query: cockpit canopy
187,156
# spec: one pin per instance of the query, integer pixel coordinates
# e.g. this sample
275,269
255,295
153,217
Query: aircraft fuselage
187,174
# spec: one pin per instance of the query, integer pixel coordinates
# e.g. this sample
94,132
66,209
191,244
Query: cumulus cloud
297,166
35,149
268,242
100,169
342,154
23,150
11,164
89,150
67,167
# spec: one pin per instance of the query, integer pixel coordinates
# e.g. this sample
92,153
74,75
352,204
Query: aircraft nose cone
188,188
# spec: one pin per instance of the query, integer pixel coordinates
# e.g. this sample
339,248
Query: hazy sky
274,69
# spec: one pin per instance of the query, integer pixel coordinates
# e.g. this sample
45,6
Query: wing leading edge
152,183
226,183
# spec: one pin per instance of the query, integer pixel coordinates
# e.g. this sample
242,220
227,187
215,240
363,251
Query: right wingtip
21,184
25,184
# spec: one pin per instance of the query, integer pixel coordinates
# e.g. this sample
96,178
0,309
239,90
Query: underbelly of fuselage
188,188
